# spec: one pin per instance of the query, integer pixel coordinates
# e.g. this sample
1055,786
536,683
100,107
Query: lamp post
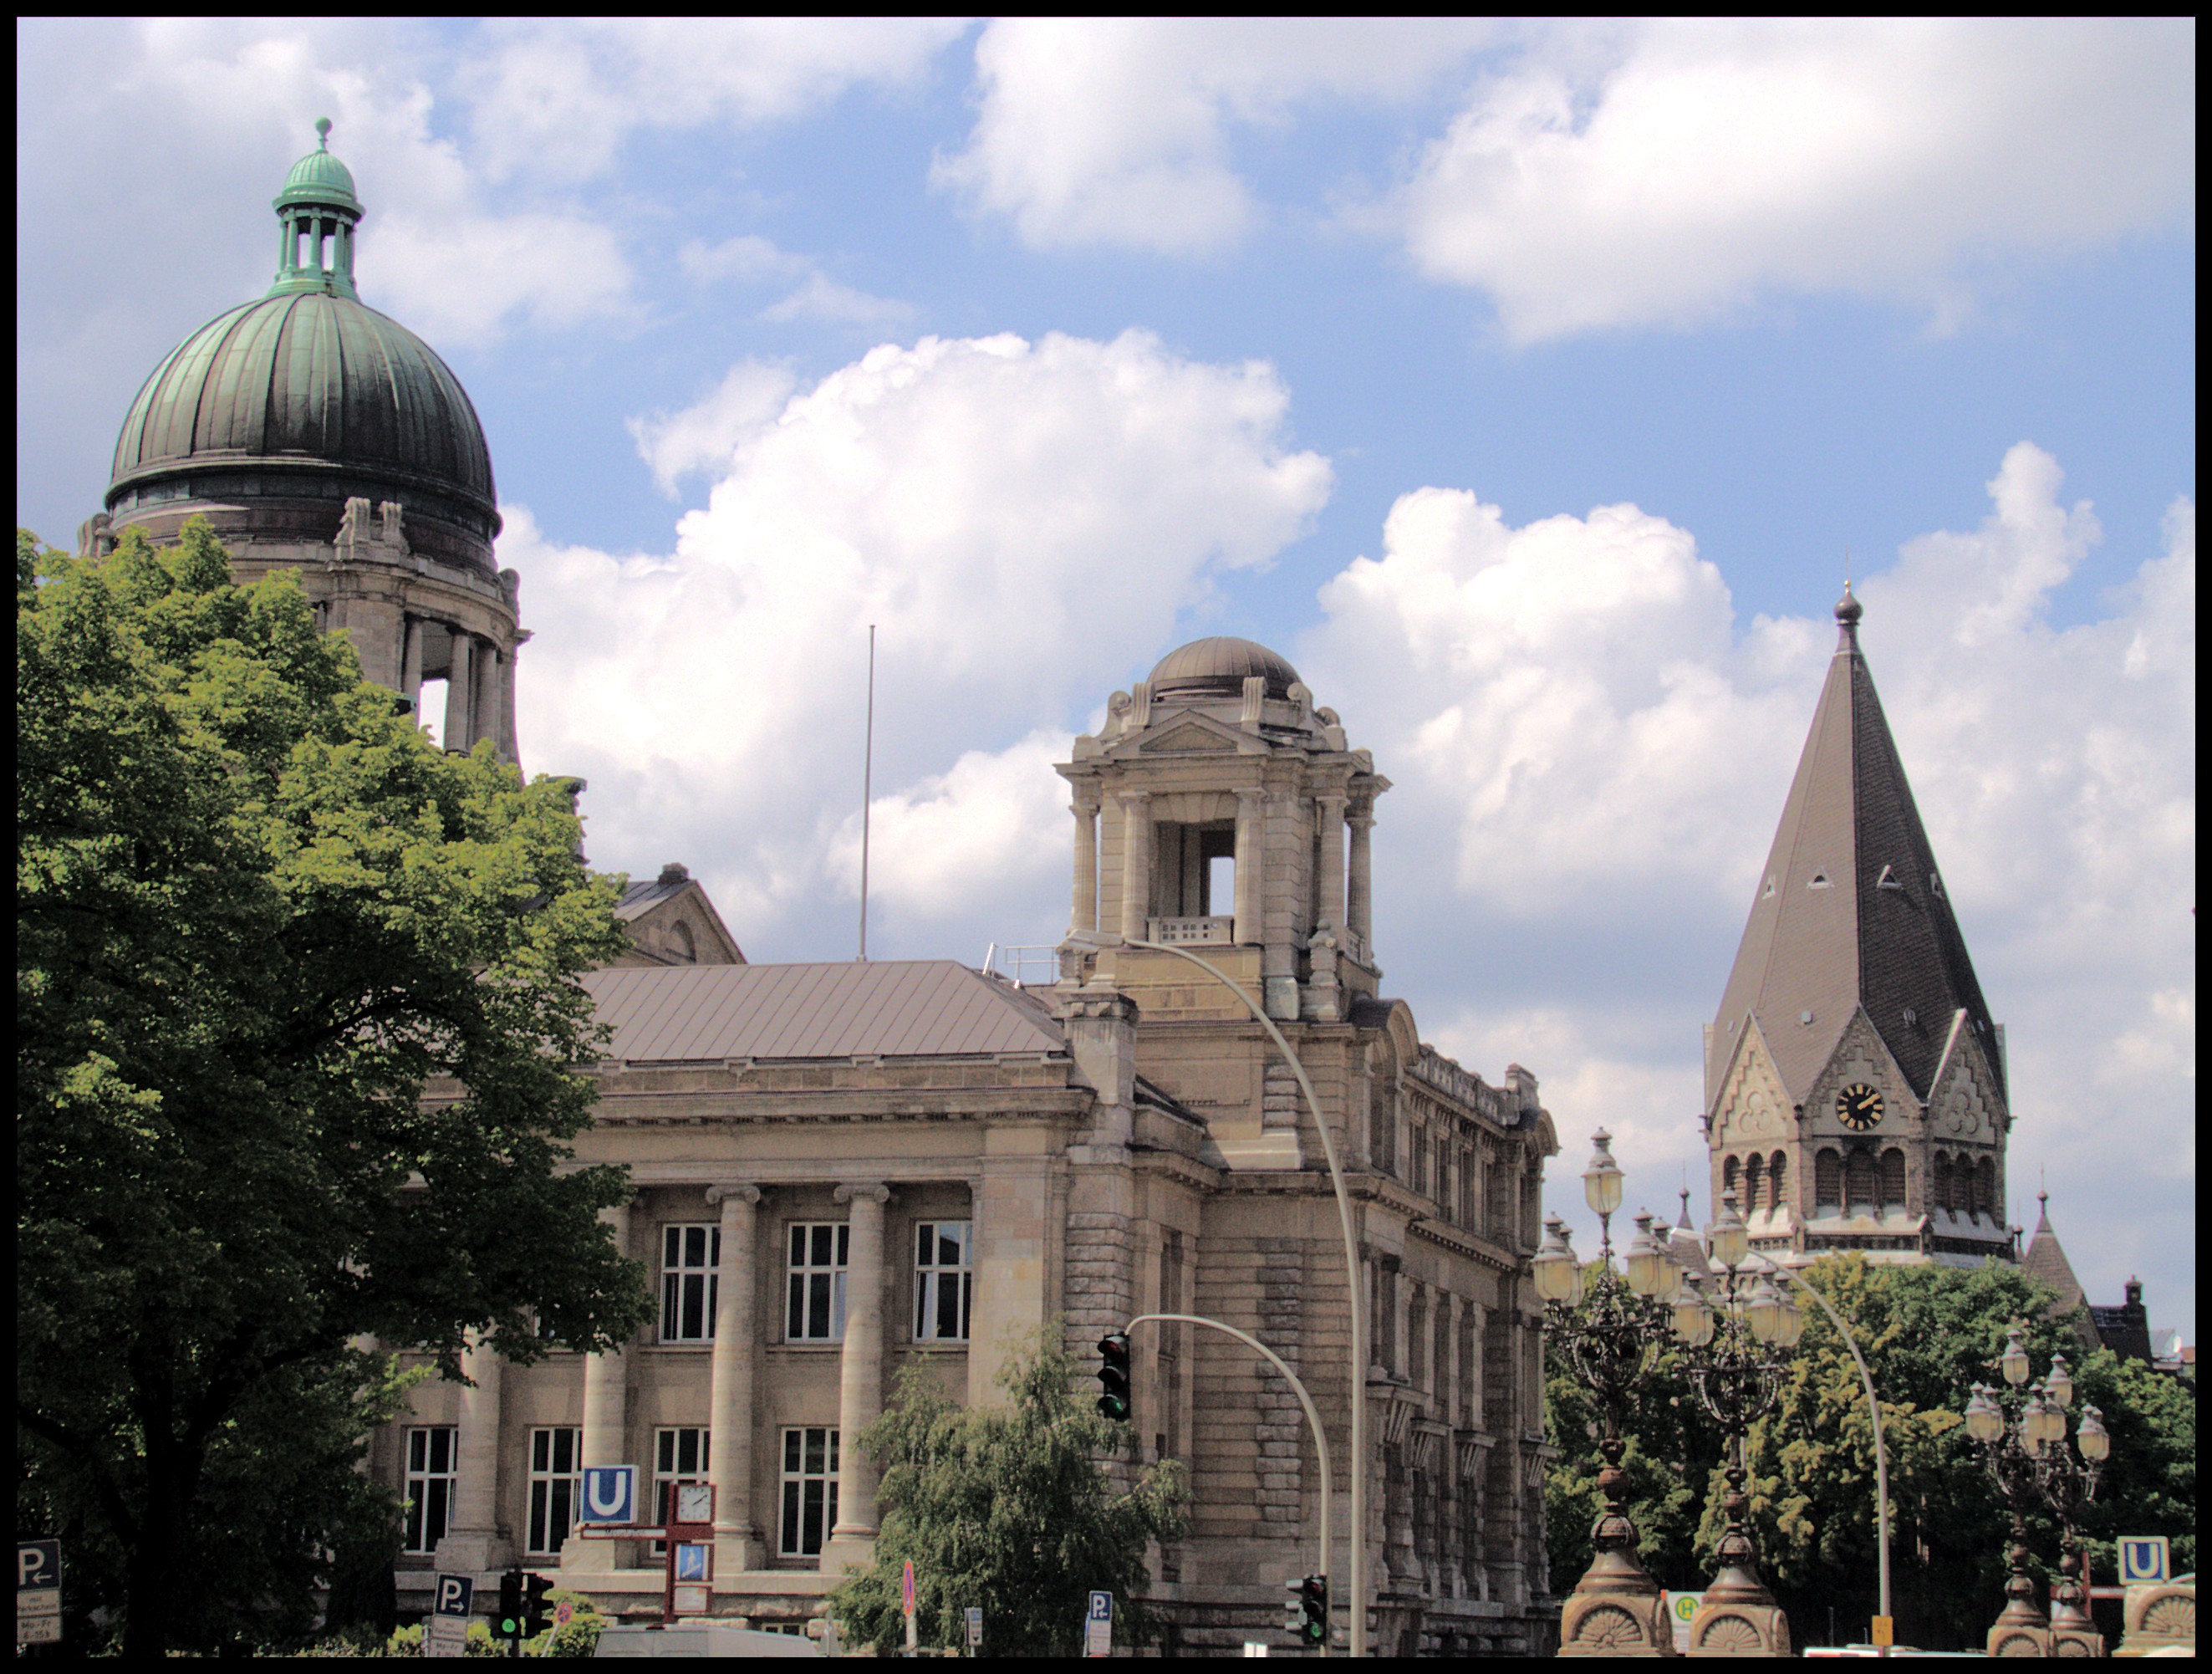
1610,1328
1735,1344
2021,1431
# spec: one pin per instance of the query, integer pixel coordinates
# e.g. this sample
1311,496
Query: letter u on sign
609,1494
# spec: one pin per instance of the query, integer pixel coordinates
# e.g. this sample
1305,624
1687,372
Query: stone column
460,686
1250,805
852,1542
509,745
1328,883
474,1542
485,719
1136,863
736,1350
410,663
607,1430
1084,915
1360,909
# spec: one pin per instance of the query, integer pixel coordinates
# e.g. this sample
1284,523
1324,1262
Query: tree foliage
1007,1507
259,917
1927,1334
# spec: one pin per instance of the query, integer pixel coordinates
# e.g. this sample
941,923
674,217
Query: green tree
296,1008
1007,1507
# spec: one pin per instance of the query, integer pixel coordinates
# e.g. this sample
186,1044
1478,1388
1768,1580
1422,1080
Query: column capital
743,1191
1336,799
1088,794
874,1191
1139,799
1360,816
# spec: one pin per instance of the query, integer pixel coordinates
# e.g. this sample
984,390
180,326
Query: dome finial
323,132
1848,613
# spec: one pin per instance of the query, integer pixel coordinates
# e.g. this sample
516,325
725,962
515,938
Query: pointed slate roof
2046,1260
1852,911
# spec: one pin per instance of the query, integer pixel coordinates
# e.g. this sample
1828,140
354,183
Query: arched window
1777,1168
1755,1184
681,944
1892,1179
1731,1173
1988,1195
1859,1181
1827,1182
1943,1181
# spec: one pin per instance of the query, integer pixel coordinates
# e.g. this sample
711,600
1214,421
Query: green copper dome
271,415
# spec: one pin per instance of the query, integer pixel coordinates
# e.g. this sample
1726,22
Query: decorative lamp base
1729,1629
2013,1639
1615,1624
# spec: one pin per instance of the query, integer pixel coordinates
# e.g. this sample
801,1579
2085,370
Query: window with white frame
809,1490
944,1280
689,1258
679,1455
430,1482
820,1251
556,1479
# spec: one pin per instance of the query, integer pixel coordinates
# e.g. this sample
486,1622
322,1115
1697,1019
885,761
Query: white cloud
822,298
558,98
703,436
746,256
1115,130
1022,521
1674,171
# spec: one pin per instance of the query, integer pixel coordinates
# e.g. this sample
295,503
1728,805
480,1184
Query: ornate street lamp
1610,1327
1735,1349
2021,1432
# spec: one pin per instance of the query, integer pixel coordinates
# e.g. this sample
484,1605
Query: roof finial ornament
1848,613
323,132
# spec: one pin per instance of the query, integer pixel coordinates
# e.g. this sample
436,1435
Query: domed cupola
271,417
318,436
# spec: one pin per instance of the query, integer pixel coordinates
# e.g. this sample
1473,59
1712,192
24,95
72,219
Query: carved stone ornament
1604,1625
2159,1617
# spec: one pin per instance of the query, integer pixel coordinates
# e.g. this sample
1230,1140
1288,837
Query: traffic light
1294,1609
1114,1375
507,1624
537,1612
1313,1609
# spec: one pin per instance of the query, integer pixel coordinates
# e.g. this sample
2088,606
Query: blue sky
1049,347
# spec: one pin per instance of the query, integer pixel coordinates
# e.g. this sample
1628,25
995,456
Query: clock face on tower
1858,1107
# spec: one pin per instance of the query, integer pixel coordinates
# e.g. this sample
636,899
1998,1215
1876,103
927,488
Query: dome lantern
318,211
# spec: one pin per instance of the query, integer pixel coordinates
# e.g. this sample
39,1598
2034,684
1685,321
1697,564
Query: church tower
1855,1085
318,436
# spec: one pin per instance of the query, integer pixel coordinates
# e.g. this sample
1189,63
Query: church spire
317,210
1852,912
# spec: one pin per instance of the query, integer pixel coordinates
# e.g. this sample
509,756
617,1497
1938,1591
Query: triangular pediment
1187,734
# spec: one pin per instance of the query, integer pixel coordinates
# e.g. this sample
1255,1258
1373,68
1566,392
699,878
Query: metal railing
1032,966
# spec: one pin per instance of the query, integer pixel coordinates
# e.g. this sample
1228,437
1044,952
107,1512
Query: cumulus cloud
1021,521
1117,131
822,298
1590,755
558,97
1672,172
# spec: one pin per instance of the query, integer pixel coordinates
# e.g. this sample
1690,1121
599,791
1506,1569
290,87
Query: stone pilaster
410,663
1084,914
1250,903
1329,886
460,687
852,1542
737,1350
1136,863
606,1429
476,1542
486,719
1359,906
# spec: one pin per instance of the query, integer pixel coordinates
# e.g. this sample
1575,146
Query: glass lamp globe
2033,1436
1553,1264
1602,1179
1648,1265
1728,1237
2096,1441
2013,1361
1762,1310
1793,1324
1693,1318
1984,1420
2058,1383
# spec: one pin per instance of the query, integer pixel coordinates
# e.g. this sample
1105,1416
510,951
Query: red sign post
690,1521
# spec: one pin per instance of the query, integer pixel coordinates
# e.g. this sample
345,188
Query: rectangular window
679,1455
944,1280
556,1481
689,1285
809,1490
430,1479
819,1253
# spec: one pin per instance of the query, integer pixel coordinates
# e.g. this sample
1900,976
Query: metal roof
1850,912
894,1008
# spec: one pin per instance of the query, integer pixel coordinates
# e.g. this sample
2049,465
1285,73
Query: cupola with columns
1215,809
317,435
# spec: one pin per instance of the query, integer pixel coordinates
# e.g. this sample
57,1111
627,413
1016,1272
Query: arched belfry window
1755,1184
1892,1179
1859,1181
1731,1176
1776,1169
1942,1182
1986,1198
1828,1182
